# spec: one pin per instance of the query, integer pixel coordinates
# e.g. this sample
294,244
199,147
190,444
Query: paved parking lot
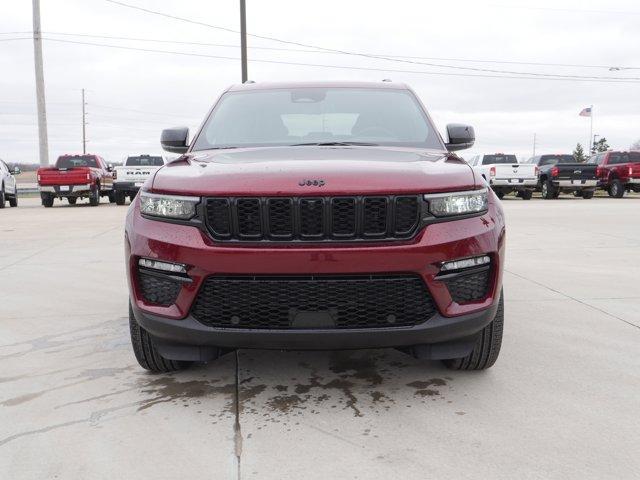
563,400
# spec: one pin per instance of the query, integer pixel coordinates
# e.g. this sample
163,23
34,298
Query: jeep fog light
163,266
465,263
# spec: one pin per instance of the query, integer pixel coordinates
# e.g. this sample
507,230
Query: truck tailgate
515,171
576,171
64,176
134,174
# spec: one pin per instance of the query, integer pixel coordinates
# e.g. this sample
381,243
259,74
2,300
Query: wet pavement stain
363,382
168,390
422,387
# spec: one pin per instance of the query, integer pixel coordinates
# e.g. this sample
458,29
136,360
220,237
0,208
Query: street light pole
84,125
40,100
243,39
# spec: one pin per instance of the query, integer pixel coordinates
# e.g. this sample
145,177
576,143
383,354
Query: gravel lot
563,400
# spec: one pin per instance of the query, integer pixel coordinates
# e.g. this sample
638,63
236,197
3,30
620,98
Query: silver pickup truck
128,179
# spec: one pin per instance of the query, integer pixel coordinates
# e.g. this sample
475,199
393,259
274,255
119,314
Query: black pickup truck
561,173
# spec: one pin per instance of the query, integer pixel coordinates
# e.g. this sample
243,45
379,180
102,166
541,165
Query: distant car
561,173
128,179
8,187
617,171
76,176
506,175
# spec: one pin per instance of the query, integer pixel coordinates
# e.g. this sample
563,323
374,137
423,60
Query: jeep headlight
168,206
458,203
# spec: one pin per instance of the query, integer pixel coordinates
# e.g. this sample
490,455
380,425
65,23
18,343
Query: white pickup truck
128,179
505,174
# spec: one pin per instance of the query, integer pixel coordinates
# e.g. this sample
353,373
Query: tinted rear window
144,161
631,157
77,161
548,159
489,159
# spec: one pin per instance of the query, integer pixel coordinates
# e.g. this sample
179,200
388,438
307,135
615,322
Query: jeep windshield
144,161
318,116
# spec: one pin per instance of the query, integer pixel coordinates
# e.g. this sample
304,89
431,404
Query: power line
301,50
146,112
345,52
419,72
569,10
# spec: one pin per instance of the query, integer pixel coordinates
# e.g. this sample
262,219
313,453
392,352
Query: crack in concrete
574,299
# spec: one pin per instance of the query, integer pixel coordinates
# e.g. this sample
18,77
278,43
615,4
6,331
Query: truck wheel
13,201
587,194
112,197
72,200
526,194
616,189
47,200
94,196
120,197
500,194
146,352
548,190
487,348
3,198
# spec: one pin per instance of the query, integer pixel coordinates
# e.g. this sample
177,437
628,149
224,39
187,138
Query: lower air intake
321,302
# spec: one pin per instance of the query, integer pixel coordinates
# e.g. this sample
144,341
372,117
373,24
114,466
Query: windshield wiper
335,144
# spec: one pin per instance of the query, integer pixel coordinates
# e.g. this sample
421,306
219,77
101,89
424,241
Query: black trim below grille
340,218
321,302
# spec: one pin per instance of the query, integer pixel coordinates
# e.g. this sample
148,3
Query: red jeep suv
617,172
316,216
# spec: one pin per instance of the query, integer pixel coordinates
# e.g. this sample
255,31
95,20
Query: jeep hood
344,170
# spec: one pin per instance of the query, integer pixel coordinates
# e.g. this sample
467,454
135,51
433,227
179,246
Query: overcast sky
132,95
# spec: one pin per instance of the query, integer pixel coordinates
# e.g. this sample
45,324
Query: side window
3,167
615,159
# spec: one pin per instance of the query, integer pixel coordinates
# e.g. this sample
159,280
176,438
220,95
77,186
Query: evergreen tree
600,146
578,153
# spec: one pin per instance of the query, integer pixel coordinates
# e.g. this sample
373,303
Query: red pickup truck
618,172
76,176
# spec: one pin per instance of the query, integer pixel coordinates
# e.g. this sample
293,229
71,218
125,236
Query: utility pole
591,128
534,145
40,100
243,39
84,125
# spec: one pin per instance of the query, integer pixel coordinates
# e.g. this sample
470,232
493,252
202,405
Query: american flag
586,112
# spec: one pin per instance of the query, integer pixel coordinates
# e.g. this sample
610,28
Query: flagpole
591,131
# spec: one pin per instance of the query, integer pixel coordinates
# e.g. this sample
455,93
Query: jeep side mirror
175,140
460,136
16,171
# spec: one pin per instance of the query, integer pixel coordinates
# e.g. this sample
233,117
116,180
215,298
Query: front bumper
437,330
422,255
634,181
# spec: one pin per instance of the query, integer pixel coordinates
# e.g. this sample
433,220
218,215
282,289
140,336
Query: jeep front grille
308,219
